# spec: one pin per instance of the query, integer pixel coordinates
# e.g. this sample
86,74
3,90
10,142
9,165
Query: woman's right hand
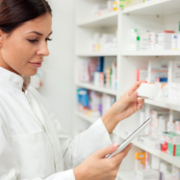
97,167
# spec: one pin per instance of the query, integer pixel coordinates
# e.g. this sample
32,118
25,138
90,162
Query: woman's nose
43,50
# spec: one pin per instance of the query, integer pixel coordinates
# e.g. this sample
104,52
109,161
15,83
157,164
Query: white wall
58,67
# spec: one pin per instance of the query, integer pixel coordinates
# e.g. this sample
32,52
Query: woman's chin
31,72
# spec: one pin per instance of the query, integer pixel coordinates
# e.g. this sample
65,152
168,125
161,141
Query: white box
148,91
147,174
165,46
171,127
165,37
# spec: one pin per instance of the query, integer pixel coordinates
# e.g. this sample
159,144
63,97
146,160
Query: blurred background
100,48
55,79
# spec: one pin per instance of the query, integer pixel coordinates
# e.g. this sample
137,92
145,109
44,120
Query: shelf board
155,7
170,159
152,53
96,54
97,88
85,117
163,104
109,19
126,175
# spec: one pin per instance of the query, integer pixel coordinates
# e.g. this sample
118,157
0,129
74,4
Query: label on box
173,149
164,147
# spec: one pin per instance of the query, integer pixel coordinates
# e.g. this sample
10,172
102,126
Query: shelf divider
90,86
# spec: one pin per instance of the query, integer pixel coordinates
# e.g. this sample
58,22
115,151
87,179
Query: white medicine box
148,91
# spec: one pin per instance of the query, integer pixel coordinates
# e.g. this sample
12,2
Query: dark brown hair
13,13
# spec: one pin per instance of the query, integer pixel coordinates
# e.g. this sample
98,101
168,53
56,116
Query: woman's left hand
127,105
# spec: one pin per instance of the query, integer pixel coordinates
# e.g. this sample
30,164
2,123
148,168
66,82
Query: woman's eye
33,40
48,39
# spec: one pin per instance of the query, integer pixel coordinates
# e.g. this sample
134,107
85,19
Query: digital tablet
127,141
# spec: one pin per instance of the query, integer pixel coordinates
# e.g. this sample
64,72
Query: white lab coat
33,145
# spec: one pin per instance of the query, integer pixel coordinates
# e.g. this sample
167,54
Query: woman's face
23,50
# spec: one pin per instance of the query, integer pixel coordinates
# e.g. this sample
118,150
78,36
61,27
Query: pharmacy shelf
96,54
151,53
85,117
126,175
97,88
109,19
164,104
170,159
155,7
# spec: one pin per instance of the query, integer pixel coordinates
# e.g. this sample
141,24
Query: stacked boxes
155,128
156,170
93,71
171,144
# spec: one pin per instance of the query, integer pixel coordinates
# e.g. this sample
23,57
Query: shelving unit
164,104
151,53
88,119
98,54
97,88
156,15
155,7
170,159
109,19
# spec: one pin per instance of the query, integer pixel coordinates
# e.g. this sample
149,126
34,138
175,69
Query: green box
173,144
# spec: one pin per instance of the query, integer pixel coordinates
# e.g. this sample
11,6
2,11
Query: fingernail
135,94
115,145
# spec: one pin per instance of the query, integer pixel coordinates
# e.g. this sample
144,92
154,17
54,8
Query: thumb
108,150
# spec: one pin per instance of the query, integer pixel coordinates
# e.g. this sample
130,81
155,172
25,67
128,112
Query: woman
33,146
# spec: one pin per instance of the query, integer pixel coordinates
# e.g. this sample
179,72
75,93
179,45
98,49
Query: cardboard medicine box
164,142
173,144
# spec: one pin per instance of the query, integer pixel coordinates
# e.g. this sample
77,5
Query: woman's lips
37,65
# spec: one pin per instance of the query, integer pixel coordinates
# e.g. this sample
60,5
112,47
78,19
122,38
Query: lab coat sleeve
9,169
76,150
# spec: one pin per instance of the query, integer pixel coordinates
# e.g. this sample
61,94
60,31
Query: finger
119,157
126,98
135,87
140,103
108,150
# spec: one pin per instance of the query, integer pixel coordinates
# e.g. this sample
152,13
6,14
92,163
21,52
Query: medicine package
148,91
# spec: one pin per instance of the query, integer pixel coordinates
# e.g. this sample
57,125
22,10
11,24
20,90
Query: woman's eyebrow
38,33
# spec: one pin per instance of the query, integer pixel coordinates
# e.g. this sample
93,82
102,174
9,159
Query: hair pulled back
13,13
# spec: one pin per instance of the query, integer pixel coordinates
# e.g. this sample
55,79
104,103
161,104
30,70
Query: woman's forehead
41,24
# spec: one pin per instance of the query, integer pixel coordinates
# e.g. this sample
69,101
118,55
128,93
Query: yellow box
140,156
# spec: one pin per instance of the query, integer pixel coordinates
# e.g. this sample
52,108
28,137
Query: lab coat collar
11,78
